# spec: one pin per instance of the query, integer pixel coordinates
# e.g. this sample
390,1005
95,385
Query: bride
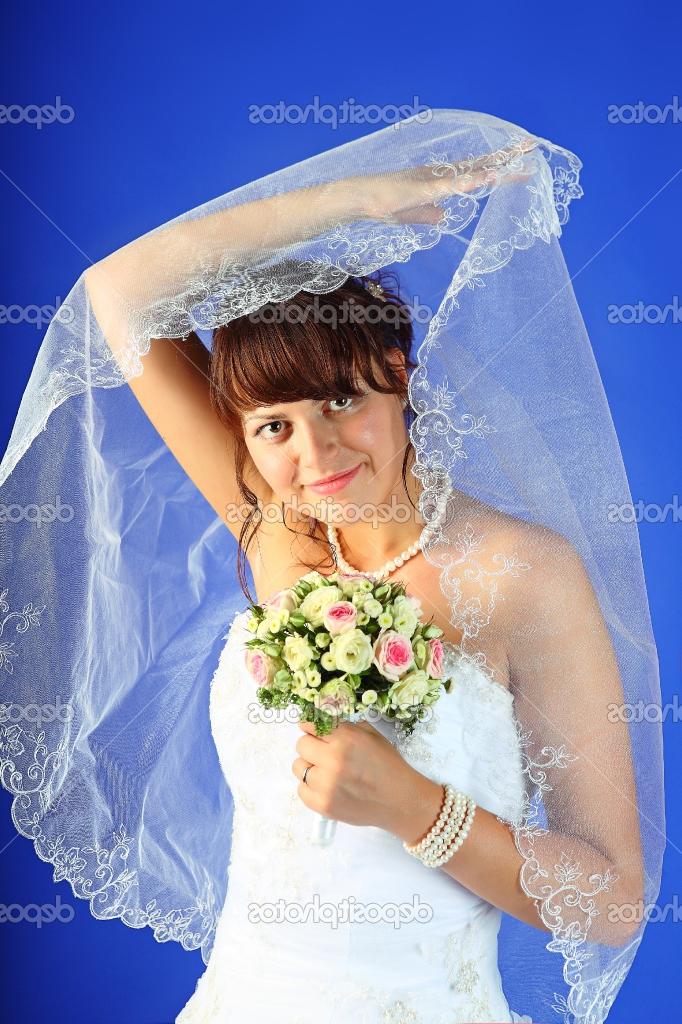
317,438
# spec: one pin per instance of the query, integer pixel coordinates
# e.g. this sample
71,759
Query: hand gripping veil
117,578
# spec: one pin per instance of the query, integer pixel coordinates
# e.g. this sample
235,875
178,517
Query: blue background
161,96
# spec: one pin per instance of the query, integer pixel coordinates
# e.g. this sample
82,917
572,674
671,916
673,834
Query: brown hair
284,352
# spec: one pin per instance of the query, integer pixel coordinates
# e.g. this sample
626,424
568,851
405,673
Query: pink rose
340,617
434,663
393,654
261,667
283,600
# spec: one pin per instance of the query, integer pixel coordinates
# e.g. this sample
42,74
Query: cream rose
409,690
297,652
315,604
273,622
352,651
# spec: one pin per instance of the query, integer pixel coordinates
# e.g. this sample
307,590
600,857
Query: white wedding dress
283,950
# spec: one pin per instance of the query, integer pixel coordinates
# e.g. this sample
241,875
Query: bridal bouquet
344,646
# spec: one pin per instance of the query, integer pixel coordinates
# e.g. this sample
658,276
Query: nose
316,448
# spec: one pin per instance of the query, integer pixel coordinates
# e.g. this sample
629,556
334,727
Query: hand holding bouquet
345,647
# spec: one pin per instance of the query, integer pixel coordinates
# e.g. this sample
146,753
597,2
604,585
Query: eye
275,423
270,424
343,399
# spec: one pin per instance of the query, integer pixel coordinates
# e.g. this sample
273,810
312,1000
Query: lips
336,483
331,479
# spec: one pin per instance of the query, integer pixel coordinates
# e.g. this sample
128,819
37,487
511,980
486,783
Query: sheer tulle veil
118,581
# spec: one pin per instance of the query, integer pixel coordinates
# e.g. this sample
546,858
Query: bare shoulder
532,564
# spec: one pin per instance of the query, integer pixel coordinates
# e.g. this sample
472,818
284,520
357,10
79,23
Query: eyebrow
277,414
265,416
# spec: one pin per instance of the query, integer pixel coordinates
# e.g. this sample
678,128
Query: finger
311,748
299,766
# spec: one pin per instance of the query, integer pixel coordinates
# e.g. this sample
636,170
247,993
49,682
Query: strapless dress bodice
358,930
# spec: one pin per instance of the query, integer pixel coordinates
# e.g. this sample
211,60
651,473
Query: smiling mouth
332,479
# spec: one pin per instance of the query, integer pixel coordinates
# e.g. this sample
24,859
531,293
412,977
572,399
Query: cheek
373,432
272,464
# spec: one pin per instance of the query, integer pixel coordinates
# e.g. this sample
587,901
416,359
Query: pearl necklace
393,563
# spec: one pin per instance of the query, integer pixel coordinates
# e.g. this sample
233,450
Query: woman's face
296,444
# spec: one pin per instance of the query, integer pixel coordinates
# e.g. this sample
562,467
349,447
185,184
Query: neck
369,544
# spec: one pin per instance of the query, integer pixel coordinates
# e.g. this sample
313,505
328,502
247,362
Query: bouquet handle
323,830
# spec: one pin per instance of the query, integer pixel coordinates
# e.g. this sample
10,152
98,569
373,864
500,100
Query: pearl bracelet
448,832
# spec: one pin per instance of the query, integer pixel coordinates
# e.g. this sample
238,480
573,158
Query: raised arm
165,262
173,388
161,266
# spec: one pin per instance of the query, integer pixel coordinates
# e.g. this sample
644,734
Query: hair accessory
375,288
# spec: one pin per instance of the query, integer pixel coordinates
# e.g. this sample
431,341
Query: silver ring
306,772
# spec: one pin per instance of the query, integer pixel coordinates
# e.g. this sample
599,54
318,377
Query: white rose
353,651
409,690
297,652
315,604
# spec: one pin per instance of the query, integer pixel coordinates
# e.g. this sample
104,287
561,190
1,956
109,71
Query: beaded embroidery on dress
427,952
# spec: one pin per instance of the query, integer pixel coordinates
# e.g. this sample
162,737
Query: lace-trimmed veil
115,593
